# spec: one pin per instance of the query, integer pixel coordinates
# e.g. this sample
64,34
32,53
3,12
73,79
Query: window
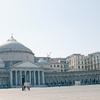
51,65
65,70
61,70
82,67
57,65
85,67
78,67
64,66
54,65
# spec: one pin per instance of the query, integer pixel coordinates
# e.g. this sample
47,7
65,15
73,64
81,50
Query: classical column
20,77
11,78
25,76
16,77
38,77
30,76
34,78
43,82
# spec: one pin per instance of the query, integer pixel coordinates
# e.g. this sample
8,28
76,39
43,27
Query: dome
42,61
14,52
13,45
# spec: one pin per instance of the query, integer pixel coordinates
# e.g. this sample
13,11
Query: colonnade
19,77
54,80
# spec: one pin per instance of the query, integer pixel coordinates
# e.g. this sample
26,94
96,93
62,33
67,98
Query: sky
59,27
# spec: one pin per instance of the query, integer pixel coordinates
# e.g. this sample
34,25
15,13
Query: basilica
18,64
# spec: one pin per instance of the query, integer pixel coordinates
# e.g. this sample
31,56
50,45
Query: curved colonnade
69,78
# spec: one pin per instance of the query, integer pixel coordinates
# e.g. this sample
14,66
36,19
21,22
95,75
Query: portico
33,74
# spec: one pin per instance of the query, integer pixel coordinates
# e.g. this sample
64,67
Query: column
21,78
16,77
25,76
11,78
43,77
38,77
30,76
34,78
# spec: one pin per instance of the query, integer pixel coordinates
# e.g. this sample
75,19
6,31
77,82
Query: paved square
89,92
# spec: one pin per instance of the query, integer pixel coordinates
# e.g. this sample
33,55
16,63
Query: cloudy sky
62,27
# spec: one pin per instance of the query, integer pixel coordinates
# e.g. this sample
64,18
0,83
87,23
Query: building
18,64
76,62
93,61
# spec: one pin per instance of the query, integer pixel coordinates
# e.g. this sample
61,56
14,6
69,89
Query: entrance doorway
23,79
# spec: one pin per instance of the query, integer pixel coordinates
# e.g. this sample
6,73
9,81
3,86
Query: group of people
26,85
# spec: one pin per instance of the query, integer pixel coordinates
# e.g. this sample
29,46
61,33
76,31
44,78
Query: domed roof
42,61
13,45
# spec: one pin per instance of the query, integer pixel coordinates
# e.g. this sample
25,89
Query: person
26,85
23,88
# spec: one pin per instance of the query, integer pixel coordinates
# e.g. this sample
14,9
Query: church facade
19,65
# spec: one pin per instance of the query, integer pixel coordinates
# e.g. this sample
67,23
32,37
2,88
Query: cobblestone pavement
89,92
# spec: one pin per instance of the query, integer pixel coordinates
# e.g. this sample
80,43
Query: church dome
13,52
13,45
42,61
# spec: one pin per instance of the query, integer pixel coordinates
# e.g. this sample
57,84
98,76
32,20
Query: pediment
26,65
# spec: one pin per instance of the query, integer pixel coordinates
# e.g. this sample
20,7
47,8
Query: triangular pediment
26,65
